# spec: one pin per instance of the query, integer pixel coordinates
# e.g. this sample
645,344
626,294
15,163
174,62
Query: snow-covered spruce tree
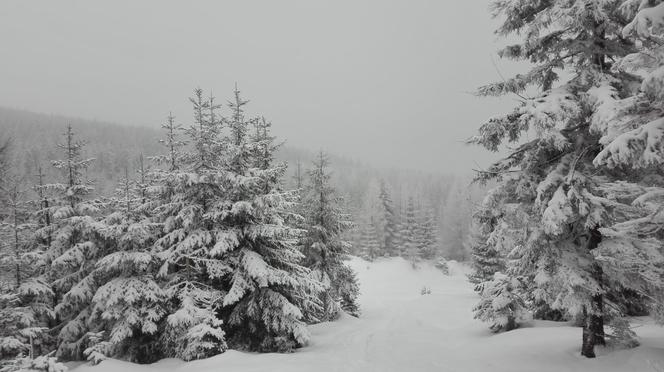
106,304
25,297
298,175
371,211
389,223
15,231
143,180
264,146
173,144
632,136
128,305
76,243
4,168
410,233
46,198
187,189
499,231
428,236
486,259
228,256
455,218
323,246
353,235
369,246
501,227
500,303
268,290
552,176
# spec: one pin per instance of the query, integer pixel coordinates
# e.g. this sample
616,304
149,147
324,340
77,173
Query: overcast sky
384,81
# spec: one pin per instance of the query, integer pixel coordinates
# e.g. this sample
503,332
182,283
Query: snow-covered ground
403,330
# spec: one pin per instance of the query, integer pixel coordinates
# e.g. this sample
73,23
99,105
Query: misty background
386,82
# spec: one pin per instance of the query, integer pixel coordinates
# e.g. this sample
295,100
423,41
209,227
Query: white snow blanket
403,330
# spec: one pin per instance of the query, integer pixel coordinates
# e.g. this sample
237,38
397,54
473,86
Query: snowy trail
402,330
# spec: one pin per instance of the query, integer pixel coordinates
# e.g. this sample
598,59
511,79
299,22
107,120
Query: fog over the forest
290,185
388,82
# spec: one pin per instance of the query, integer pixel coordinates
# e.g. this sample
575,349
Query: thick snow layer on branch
558,212
640,147
608,118
648,21
556,110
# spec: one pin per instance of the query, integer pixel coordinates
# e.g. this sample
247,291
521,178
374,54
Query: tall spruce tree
229,257
552,176
487,257
323,246
15,230
369,245
188,187
410,230
46,197
455,218
25,297
128,306
76,243
500,303
631,130
5,160
389,222
428,236
268,289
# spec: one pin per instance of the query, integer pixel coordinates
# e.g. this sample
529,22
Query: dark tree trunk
597,321
593,328
588,340
593,325
511,324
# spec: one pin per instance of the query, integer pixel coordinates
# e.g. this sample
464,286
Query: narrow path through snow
403,330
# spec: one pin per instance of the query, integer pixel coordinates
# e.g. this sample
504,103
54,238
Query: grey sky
383,81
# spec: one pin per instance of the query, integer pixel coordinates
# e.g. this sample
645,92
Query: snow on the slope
403,330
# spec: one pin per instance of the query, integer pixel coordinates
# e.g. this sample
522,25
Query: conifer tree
486,256
323,246
76,243
204,132
551,178
298,177
4,168
389,223
143,180
410,233
632,140
15,230
227,252
455,219
368,232
264,146
369,245
46,197
172,143
188,189
268,290
427,241
25,297
500,303
128,305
